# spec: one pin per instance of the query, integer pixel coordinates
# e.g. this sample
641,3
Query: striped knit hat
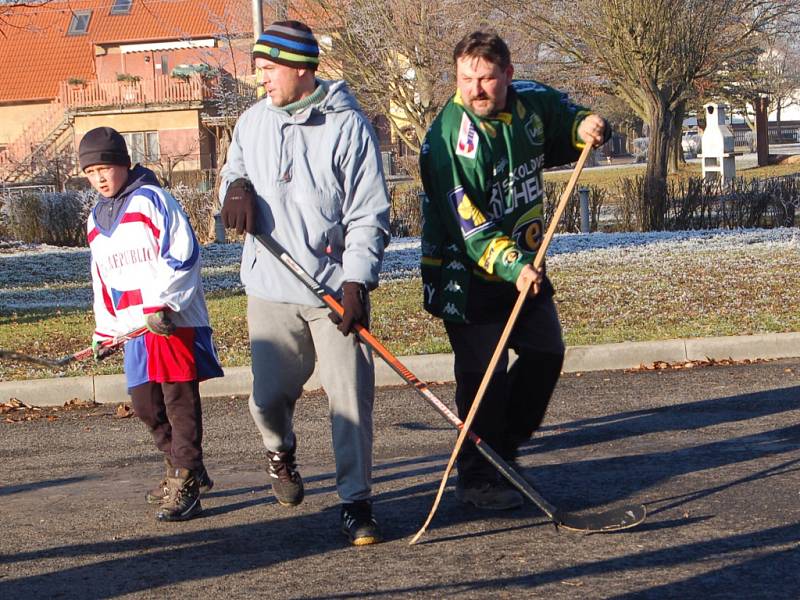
289,43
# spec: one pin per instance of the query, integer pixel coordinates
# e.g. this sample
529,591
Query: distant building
144,67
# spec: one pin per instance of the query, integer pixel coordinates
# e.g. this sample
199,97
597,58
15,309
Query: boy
146,269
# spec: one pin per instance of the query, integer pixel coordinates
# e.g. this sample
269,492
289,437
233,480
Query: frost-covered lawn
610,288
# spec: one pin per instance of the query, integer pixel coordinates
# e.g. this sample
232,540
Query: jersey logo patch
467,145
469,217
534,129
126,298
492,251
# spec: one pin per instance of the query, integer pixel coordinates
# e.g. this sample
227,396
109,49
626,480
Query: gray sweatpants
285,339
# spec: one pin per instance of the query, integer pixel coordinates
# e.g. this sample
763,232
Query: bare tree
396,55
12,14
771,71
651,52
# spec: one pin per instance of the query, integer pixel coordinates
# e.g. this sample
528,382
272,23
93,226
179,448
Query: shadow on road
117,567
41,485
726,582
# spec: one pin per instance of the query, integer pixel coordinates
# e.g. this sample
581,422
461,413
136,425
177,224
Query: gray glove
160,323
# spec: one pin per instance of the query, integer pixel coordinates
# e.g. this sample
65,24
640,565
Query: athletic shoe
287,485
489,495
359,525
183,497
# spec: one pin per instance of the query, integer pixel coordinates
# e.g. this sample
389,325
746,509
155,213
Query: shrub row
699,204
60,218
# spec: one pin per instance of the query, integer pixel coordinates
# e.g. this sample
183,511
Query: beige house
148,68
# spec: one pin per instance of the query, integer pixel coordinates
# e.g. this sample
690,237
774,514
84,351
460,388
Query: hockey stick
615,519
109,346
501,344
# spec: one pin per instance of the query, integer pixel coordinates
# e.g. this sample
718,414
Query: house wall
148,64
179,135
14,119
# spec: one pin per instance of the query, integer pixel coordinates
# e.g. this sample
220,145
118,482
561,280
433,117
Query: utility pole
258,19
258,28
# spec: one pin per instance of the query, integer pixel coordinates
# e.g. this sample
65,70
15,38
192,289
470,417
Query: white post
258,19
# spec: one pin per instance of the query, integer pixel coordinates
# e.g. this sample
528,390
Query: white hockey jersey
148,260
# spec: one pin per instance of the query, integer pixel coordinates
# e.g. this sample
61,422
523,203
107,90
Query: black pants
173,414
516,399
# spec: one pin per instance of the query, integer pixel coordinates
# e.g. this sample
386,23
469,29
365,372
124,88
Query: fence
161,89
17,191
784,135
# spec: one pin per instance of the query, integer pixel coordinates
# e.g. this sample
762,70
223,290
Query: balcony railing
161,89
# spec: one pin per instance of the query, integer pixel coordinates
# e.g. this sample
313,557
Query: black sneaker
287,485
359,525
489,495
159,494
183,497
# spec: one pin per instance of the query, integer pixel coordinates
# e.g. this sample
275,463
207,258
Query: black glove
354,302
160,323
239,207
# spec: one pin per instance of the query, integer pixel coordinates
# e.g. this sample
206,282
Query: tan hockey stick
501,344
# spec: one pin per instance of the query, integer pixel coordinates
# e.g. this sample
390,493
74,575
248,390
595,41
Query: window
79,24
142,146
164,64
121,7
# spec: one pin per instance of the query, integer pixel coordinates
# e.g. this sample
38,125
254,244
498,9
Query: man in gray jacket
304,168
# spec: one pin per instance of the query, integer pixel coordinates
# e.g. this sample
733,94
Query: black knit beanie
103,146
289,43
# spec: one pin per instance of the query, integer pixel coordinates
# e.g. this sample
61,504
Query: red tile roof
37,54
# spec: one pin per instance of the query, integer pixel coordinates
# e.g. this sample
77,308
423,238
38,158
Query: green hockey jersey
482,215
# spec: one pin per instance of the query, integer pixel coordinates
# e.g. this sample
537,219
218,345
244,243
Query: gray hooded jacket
321,195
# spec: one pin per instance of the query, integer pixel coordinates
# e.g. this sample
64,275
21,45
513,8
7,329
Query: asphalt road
713,453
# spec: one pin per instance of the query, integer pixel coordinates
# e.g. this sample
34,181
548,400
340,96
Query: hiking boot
159,494
204,482
359,525
183,497
287,485
489,495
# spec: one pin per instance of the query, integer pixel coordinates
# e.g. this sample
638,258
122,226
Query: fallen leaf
123,411
78,403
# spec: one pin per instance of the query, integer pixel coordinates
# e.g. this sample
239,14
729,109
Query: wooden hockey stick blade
425,392
501,344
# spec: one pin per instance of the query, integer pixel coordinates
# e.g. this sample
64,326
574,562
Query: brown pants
173,414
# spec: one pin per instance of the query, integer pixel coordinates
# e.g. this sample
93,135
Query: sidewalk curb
432,367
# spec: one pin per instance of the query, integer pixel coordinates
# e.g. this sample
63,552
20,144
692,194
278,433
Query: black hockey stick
108,347
611,520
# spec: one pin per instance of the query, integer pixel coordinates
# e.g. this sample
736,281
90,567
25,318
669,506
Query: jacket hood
138,177
338,99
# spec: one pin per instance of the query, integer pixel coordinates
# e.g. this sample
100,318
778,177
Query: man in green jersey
481,166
